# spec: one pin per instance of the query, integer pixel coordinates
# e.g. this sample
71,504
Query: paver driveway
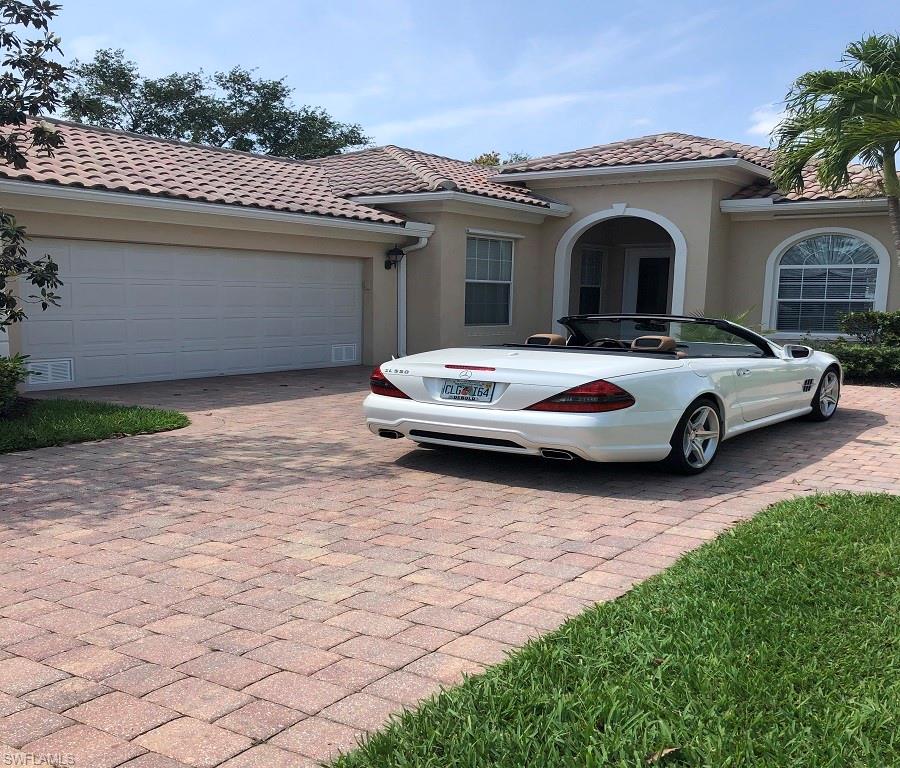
260,588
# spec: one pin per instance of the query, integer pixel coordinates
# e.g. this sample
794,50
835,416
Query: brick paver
266,585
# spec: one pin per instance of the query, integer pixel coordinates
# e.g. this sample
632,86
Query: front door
645,288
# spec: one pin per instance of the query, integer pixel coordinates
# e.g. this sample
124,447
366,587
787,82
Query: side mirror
797,350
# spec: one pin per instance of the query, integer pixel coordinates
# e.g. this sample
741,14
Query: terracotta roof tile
658,148
98,158
395,170
864,183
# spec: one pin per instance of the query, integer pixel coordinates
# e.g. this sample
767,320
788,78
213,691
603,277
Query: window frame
510,282
600,252
773,271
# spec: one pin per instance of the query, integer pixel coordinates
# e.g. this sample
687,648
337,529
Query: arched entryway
620,260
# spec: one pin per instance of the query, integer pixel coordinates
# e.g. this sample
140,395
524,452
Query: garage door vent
51,371
343,353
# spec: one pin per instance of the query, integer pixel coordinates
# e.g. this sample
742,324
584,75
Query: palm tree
835,116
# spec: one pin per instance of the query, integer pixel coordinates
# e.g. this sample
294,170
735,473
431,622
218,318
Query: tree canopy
492,159
232,109
30,81
834,117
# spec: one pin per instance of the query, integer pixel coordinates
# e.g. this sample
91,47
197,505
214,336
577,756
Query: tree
836,116
227,109
492,159
30,80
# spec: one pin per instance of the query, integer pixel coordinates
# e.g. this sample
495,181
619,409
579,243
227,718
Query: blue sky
459,77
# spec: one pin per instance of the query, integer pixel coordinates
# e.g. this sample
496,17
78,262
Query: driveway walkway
264,586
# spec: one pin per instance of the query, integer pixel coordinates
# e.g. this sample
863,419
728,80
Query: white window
822,277
489,265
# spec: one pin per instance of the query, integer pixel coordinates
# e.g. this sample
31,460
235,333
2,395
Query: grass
778,644
42,423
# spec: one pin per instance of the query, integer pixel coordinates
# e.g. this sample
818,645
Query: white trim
562,263
655,167
401,295
46,190
632,258
552,209
769,206
476,232
770,305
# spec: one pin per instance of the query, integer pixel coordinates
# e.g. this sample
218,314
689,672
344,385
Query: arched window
822,277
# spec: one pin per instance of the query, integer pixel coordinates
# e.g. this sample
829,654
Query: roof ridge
433,179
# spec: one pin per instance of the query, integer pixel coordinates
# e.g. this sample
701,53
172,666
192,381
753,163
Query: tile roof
864,183
658,148
395,170
99,158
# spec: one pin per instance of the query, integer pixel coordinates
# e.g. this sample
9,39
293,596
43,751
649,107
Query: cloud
529,107
764,119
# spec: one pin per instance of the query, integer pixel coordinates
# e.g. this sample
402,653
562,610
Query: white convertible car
616,388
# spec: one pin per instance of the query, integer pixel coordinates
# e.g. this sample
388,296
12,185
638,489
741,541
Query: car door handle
743,371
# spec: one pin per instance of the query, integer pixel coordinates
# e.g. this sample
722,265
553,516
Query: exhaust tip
554,453
390,434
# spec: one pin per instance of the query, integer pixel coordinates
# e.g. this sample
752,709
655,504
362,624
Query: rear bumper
626,435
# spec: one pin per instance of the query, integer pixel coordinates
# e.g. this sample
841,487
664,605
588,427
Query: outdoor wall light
393,257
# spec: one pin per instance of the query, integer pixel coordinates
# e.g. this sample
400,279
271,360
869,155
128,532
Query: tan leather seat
654,344
546,340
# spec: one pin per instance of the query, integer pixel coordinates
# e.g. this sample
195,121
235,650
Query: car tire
696,439
825,400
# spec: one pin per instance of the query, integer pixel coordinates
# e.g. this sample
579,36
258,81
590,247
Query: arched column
562,264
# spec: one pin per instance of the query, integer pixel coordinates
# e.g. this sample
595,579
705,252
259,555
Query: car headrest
653,344
546,340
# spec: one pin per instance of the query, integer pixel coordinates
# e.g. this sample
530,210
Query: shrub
873,327
12,373
865,362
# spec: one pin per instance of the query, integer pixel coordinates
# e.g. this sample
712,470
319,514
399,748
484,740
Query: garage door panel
44,332
89,259
95,369
150,365
197,295
155,296
107,331
240,329
155,329
100,296
147,312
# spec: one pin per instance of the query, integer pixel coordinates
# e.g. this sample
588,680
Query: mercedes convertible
611,388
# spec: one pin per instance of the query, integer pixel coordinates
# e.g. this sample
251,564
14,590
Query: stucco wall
692,205
753,241
379,296
437,283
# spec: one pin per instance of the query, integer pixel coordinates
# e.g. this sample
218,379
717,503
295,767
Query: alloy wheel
829,393
701,436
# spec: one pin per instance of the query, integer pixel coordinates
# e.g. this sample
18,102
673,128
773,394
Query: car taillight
380,385
593,397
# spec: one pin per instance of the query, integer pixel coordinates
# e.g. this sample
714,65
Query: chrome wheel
829,393
701,436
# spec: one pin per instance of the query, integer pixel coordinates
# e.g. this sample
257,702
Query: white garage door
147,312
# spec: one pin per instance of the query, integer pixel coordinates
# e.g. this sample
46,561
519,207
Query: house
181,260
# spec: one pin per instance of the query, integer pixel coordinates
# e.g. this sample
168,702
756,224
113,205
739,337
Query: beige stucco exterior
718,266
47,218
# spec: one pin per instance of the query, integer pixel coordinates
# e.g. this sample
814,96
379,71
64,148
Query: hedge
865,363
12,373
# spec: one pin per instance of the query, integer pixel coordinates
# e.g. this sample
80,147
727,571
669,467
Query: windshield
681,337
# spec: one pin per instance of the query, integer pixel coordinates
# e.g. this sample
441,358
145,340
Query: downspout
401,295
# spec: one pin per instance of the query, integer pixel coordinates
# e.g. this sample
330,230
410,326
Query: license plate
470,391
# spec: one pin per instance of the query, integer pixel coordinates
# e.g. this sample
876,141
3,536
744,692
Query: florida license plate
470,391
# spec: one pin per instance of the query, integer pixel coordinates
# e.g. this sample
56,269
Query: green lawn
42,423
778,644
